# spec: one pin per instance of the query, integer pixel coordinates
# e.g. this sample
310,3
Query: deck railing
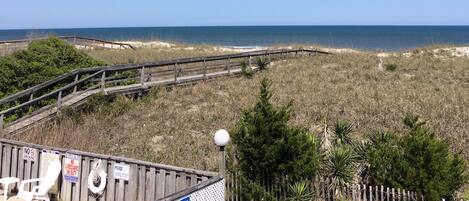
10,46
146,181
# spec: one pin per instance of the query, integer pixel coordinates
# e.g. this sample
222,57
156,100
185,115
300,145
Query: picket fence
324,189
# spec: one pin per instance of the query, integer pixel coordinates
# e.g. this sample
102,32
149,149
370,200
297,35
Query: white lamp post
221,139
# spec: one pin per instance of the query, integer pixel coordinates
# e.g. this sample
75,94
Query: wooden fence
324,189
25,108
146,181
10,46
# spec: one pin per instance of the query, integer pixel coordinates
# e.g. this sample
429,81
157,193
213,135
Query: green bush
40,62
390,67
417,161
266,146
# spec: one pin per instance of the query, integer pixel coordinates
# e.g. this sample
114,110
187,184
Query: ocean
357,37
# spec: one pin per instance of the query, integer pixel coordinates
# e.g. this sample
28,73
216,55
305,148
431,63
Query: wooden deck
146,181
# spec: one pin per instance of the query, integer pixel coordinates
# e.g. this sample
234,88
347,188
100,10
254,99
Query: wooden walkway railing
10,46
145,182
24,109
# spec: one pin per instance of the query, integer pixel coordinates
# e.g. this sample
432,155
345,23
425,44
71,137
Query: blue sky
16,14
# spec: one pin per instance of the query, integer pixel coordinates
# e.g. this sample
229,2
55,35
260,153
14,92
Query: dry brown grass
152,54
175,126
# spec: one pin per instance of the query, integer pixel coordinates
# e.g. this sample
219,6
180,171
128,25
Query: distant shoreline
387,38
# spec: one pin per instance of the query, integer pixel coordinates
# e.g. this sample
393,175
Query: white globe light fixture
221,139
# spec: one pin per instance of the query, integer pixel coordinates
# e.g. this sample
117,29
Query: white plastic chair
39,192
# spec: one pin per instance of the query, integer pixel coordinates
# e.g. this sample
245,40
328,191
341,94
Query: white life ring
97,174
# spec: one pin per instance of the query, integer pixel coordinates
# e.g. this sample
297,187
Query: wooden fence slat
172,182
120,189
6,161
161,184
110,187
132,187
14,162
150,186
141,183
66,194
85,164
104,165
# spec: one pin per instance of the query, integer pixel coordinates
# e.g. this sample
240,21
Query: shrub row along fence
127,179
22,110
10,46
325,189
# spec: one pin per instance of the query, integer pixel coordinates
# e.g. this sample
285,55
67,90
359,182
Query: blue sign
186,199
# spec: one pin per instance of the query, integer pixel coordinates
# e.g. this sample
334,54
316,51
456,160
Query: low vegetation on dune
175,125
147,54
41,61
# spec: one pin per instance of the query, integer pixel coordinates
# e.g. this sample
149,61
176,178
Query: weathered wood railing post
250,62
59,101
2,116
103,82
175,72
142,76
75,88
205,70
31,96
229,65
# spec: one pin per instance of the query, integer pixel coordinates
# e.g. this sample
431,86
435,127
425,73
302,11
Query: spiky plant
246,70
300,191
262,63
342,133
341,164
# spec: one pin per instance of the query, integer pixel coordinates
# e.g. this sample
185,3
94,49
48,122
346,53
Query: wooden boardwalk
83,83
10,46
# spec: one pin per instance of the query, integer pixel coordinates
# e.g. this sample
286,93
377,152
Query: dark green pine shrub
417,161
266,146
41,61
391,67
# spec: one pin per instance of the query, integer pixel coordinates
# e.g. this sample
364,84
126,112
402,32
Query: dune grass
175,125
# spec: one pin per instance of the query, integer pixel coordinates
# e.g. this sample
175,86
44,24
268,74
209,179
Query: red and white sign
72,167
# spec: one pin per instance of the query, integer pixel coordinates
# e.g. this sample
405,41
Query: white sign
72,167
29,154
121,171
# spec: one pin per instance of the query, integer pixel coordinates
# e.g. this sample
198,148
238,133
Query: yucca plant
262,63
300,191
342,133
341,164
246,70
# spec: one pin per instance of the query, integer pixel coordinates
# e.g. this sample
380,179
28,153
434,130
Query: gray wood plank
104,164
161,184
67,187
91,196
120,189
132,187
141,183
85,169
20,164
171,182
14,162
150,186
110,187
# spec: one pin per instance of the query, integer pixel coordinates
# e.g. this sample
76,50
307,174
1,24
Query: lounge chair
40,192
